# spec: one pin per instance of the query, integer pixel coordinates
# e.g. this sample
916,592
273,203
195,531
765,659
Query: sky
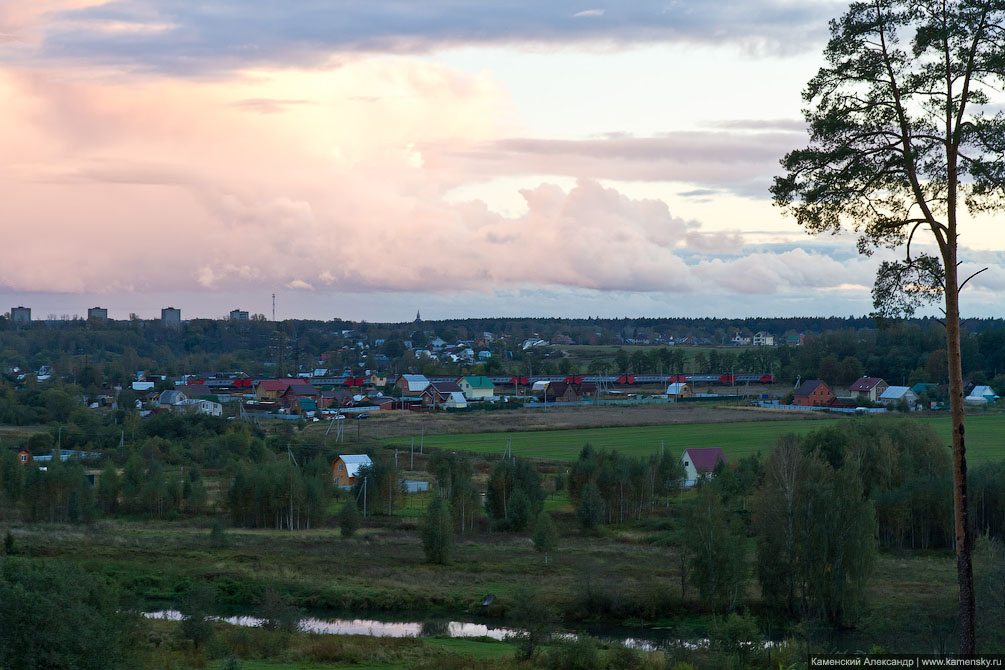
365,159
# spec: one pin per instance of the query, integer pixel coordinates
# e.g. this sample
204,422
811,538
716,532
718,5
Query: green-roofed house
306,406
478,387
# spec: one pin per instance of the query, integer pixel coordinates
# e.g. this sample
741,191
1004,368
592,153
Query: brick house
813,393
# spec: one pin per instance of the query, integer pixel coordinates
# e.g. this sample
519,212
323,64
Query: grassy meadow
985,438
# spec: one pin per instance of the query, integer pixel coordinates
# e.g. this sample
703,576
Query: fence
839,410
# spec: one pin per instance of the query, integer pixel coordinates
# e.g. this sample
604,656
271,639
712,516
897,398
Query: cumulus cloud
168,185
219,35
740,162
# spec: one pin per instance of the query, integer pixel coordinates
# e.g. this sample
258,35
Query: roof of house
865,384
353,462
445,388
840,401
677,387
337,394
171,397
307,404
273,384
808,387
982,392
479,382
896,392
456,397
705,458
556,388
416,383
192,390
297,388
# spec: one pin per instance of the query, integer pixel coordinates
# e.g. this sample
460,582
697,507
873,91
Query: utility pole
293,460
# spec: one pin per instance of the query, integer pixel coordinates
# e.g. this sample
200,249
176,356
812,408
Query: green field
985,438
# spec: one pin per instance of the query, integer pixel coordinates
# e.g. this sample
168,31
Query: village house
411,384
700,462
335,398
763,339
813,393
894,395
981,395
270,389
169,398
438,393
477,387
297,390
304,405
569,392
679,390
345,468
870,388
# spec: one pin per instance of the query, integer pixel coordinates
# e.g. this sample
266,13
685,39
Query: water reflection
368,626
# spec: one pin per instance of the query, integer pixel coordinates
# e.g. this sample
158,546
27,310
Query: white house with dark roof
869,387
699,462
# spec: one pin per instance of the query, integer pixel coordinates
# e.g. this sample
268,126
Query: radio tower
273,306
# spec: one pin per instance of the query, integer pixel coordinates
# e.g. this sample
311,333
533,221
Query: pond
635,638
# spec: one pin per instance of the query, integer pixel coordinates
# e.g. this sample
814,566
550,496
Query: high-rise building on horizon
171,317
97,313
20,316
238,315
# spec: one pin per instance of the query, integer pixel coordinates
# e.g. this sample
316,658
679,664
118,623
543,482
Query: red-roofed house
869,387
699,462
813,393
271,389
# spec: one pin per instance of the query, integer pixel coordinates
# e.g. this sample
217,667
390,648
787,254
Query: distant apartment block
171,317
20,316
238,315
97,313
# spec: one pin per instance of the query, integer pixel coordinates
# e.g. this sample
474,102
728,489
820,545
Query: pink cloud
120,183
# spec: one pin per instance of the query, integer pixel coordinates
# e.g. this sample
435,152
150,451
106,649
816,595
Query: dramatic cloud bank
221,35
171,148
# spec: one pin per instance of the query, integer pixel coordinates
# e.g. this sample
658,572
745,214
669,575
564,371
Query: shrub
438,531
348,519
217,535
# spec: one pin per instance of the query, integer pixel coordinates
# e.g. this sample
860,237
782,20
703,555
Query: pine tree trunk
963,540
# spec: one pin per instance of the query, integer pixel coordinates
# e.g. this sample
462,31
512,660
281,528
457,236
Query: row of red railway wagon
628,380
